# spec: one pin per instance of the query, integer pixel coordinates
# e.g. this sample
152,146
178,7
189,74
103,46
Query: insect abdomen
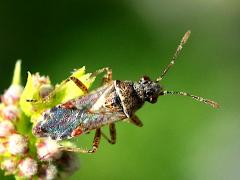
61,123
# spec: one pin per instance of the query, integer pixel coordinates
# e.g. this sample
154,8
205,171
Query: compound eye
153,99
145,78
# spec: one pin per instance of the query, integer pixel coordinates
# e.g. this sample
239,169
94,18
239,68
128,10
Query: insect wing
74,117
60,121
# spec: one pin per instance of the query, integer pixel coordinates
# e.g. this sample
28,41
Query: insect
114,101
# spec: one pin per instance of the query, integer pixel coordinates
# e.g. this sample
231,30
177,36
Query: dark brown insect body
112,102
115,100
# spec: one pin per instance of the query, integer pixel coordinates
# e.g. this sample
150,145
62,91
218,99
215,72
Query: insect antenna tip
186,36
213,104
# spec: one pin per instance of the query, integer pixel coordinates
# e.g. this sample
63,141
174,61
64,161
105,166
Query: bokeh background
181,139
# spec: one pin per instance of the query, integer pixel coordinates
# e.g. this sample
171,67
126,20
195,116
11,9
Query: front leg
95,145
107,77
136,121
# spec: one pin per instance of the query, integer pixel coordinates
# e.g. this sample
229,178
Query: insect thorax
129,97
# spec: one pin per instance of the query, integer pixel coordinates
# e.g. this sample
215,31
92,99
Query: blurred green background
181,139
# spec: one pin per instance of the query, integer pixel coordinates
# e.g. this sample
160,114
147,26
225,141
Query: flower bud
68,162
2,148
9,165
10,112
48,172
48,150
28,167
12,94
17,144
6,128
45,90
38,80
51,172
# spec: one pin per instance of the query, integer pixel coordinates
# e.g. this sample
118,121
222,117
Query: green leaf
17,73
27,94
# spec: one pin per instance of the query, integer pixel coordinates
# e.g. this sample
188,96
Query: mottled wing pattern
62,121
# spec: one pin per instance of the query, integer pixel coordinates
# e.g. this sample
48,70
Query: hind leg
96,142
112,131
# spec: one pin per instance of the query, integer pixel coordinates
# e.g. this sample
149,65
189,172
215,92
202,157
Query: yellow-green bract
62,93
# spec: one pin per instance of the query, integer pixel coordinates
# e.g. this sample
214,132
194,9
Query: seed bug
115,100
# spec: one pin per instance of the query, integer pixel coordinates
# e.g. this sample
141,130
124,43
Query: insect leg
107,77
112,131
53,93
136,121
96,142
78,83
36,102
31,100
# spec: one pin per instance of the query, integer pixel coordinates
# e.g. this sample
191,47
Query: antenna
198,98
179,48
